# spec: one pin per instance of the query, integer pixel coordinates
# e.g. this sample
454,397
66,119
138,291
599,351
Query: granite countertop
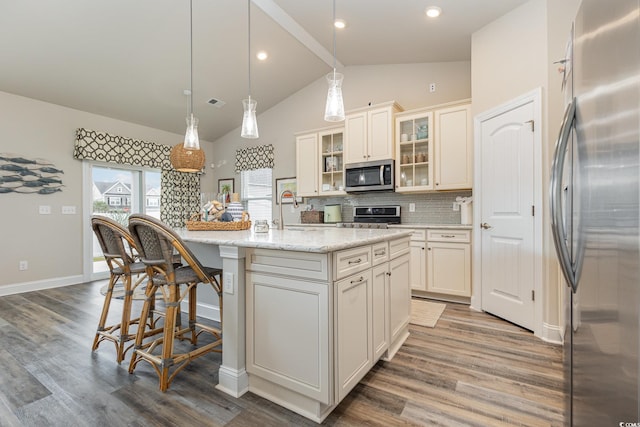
295,238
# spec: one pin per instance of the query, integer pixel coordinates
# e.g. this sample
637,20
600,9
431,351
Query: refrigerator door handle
555,196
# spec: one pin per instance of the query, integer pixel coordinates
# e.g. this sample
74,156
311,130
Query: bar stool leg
105,312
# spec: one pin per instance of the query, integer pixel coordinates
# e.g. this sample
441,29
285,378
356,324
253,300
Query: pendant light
334,109
249,122
191,140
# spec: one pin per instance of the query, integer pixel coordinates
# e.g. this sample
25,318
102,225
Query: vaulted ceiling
129,59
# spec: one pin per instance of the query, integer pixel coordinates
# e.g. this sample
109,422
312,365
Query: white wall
512,56
52,244
407,84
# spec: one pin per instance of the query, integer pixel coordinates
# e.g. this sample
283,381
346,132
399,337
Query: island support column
232,377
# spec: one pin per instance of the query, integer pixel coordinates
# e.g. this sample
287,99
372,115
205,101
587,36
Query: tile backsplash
431,208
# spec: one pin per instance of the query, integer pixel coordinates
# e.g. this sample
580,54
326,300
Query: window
257,193
116,192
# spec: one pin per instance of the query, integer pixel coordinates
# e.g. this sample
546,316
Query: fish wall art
28,176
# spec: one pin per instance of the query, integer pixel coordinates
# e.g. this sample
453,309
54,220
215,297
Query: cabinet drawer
419,235
288,263
399,247
461,236
351,261
380,253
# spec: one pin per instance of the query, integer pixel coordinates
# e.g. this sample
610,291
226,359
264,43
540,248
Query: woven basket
195,225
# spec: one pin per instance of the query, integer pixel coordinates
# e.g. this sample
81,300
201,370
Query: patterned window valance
251,158
180,191
101,146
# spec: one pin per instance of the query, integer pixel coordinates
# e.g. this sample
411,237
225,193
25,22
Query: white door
506,218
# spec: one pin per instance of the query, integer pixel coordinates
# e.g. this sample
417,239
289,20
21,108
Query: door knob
485,226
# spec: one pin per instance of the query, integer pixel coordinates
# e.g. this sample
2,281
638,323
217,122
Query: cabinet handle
422,249
388,273
361,279
448,236
358,261
429,248
382,252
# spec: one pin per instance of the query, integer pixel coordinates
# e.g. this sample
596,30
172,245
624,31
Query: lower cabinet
418,253
380,304
354,332
399,301
313,333
449,262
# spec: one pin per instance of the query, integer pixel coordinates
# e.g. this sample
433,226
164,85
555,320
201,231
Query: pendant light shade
334,109
186,160
249,122
191,140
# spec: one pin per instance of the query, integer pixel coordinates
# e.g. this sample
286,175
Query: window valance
252,158
104,147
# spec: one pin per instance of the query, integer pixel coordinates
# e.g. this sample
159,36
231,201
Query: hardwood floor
472,369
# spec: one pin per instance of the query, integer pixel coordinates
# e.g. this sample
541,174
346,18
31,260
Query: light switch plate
44,210
227,282
412,207
68,210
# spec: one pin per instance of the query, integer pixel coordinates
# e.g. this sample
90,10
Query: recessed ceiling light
262,55
433,11
340,23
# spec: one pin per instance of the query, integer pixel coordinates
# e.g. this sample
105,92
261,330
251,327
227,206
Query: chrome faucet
295,205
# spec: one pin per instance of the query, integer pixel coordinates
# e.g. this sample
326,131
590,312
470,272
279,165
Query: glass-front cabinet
331,161
414,151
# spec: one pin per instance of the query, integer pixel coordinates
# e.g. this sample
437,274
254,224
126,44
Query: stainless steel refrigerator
595,213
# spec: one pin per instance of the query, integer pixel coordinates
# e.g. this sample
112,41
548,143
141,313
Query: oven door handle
381,174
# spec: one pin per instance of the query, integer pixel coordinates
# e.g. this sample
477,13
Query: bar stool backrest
157,243
117,245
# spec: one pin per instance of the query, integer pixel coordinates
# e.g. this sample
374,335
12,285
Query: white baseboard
551,333
39,285
208,311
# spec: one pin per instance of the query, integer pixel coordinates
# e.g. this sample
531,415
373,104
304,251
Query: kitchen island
308,311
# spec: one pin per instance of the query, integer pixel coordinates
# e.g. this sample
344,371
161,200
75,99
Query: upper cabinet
414,148
320,162
453,148
331,162
369,133
307,164
434,149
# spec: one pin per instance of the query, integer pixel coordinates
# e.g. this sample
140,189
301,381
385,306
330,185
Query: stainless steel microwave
369,176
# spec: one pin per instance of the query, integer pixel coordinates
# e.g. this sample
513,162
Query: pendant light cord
191,57
249,45
334,38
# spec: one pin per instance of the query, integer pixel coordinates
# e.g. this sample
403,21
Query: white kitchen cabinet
414,151
331,165
317,322
320,163
449,262
293,314
307,164
380,302
453,148
399,302
354,331
369,133
418,255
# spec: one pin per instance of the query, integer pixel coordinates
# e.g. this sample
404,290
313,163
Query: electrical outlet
44,210
227,282
432,87
412,207
23,265
456,206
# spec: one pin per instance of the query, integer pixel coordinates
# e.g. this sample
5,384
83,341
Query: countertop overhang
295,238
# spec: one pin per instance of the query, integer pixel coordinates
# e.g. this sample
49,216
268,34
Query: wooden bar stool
120,254
157,243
